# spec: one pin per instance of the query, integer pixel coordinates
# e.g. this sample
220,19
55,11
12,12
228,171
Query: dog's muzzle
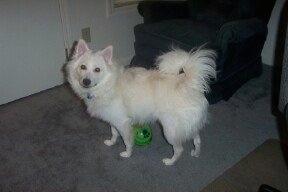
86,82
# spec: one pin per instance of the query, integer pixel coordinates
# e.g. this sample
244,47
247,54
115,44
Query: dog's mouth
88,86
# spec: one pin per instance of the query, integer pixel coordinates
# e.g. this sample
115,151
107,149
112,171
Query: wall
268,52
107,28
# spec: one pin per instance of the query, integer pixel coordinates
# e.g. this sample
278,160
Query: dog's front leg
197,142
115,134
126,131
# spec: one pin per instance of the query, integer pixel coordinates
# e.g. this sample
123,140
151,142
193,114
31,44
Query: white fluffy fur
123,97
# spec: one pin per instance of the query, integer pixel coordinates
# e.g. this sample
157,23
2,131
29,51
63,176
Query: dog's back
150,93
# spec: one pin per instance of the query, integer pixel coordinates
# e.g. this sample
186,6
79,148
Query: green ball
143,134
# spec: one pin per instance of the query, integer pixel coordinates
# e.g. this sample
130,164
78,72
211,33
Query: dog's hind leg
197,142
169,128
127,134
178,149
112,141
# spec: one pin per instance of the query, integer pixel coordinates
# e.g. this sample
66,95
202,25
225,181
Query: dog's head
88,69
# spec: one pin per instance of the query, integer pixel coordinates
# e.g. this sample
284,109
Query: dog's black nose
86,82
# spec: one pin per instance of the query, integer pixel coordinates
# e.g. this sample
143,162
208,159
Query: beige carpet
267,164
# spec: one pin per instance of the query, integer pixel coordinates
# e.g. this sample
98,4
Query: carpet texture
49,143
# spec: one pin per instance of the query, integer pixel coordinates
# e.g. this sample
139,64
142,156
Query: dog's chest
112,112
94,106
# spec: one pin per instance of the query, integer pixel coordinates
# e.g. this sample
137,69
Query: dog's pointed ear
80,49
107,54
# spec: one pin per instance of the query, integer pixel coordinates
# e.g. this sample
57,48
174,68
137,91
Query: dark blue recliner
236,29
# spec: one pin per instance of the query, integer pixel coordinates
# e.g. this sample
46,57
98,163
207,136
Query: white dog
123,97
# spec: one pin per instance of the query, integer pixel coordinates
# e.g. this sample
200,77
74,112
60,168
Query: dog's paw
109,142
168,161
125,154
195,153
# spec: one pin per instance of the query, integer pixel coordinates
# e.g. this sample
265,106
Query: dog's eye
83,67
97,69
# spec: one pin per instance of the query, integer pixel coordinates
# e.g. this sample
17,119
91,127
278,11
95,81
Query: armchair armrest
248,36
241,29
154,11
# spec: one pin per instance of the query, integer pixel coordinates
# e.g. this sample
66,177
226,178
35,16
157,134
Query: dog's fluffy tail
198,65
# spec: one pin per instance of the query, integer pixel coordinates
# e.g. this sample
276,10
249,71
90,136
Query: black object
236,29
267,188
